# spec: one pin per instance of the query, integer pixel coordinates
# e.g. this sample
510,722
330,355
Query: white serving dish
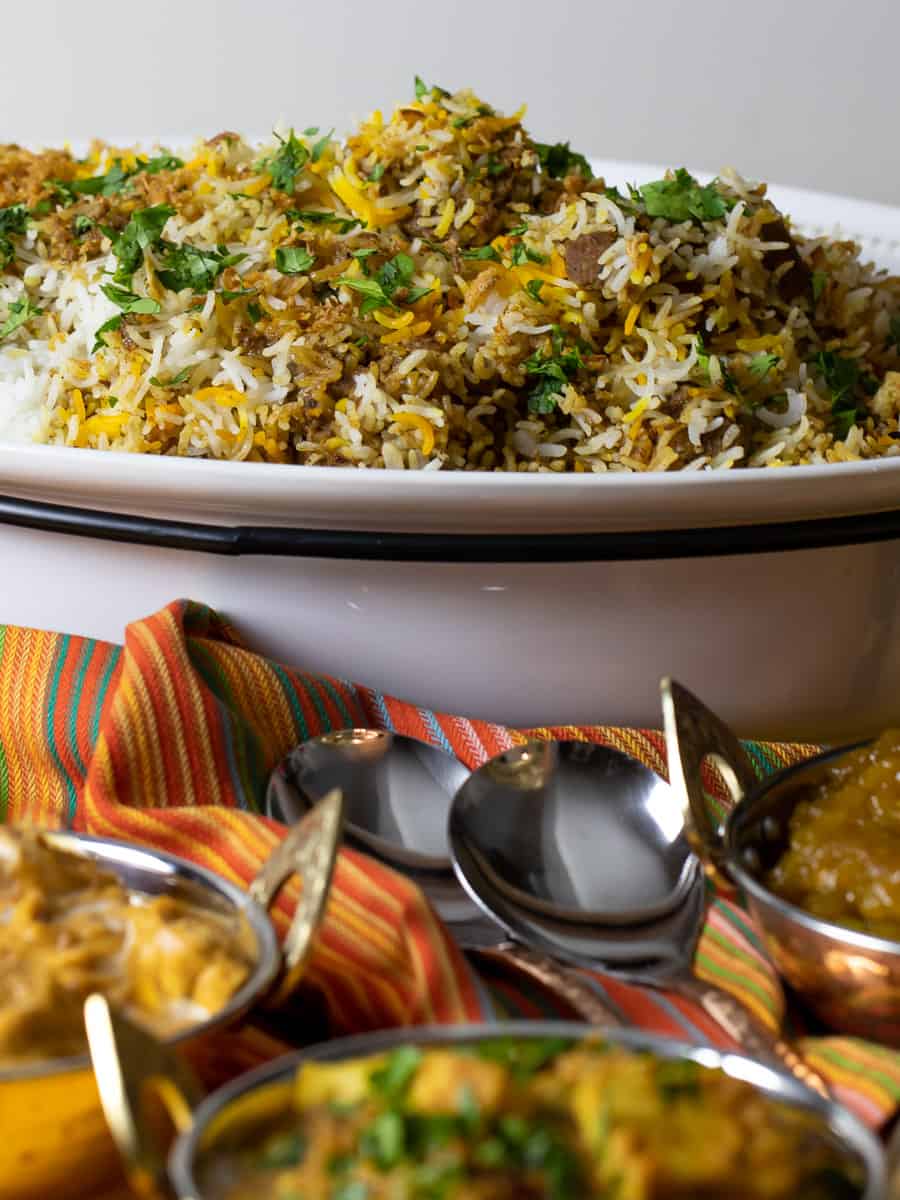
686,574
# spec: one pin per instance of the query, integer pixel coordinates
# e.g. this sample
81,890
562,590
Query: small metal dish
850,979
262,1096
55,1141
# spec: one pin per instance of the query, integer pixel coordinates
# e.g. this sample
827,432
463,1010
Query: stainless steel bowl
848,978
55,1141
219,1115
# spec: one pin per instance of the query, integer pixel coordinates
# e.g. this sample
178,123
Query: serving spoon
580,853
398,792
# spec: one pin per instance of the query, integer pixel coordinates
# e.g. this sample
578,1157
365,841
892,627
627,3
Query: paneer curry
70,927
525,1119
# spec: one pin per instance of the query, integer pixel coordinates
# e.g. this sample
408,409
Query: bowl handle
132,1067
309,851
693,733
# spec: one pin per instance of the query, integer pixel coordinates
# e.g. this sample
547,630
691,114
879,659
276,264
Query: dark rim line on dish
378,546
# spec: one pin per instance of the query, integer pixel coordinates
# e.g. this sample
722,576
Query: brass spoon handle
753,1037
562,981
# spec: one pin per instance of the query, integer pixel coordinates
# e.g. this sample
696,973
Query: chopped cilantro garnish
362,255
237,294
254,311
682,199
842,378
113,181
819,279
143,232
286,164
523,1057
761,364
320,146
703,361
163,162
176,380
82,225
462,122
293,260
559,160
393,1079
482,253
191,267
517,230
423,90
495,166
312,217
107,326
128,301
285,1150
42,207
12,220
18,313
384,1140
533,288
390,285
521,253
554,370
312,131
376,173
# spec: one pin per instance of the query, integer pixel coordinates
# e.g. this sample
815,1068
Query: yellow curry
511,1119
70,928
843,861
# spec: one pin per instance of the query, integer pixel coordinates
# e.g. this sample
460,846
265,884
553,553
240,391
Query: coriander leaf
554,370
18,313
164,162
7,251
42,208
228,296
376,173
384,1140
191,267
380,291
176,380
819,279
129,302
321,145
761,364
521,253
559,160
113,181
82,225
254,312
518,230
422,88
343,224
293,260
482,253
13,219
533,288
462,122
312,131
143,232
842,378
393,1079
703,361
682,198
371,289
361,256
494,166
106,327
286,164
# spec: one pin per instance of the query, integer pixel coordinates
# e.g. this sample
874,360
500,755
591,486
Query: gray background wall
805,93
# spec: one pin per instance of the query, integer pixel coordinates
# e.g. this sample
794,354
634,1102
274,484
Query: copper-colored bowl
850,979
54,1141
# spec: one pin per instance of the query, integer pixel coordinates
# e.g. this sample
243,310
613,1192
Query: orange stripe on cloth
190,726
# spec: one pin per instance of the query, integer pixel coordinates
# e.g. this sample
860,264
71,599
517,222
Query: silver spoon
580,853
397,794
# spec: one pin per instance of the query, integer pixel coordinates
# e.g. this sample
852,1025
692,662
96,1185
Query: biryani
435,291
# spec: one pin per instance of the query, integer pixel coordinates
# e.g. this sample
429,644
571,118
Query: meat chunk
583,257
797,280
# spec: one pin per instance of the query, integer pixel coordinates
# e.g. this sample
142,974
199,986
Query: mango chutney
843,859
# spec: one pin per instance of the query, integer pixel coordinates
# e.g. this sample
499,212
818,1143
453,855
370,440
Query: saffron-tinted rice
434,292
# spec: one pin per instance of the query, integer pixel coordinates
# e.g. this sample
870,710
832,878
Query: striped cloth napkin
170,740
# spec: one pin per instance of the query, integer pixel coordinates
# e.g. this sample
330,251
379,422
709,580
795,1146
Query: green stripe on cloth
52,699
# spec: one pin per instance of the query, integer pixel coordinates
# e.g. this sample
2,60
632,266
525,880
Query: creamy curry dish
524,1120
69,928
843,861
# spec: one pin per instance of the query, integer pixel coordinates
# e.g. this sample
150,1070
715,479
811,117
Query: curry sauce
510,1119
843,860
70,927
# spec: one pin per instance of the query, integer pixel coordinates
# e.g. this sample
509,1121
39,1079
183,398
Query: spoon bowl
572,832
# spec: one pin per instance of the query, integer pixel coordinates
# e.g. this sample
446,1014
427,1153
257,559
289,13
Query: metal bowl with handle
54,1139
263,1096
849,978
